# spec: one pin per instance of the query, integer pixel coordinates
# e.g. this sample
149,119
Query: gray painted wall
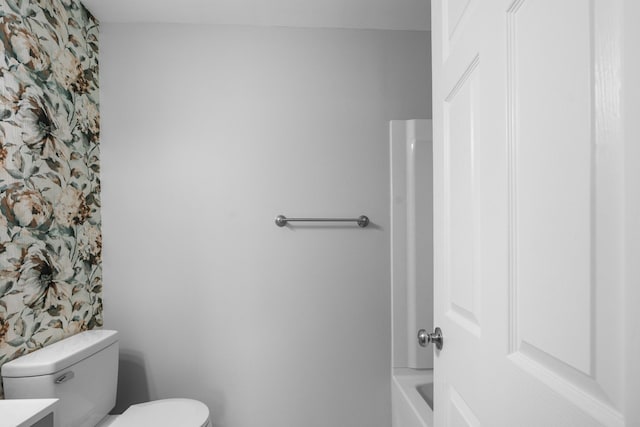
207,134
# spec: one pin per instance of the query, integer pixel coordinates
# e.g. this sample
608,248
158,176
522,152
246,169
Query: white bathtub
412,397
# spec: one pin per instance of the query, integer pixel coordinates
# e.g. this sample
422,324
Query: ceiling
366,14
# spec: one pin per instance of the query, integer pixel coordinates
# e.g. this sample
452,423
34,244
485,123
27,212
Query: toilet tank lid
60,355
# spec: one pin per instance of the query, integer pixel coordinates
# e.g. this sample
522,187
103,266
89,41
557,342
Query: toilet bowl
162,413
81,371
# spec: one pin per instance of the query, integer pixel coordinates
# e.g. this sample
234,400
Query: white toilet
82,371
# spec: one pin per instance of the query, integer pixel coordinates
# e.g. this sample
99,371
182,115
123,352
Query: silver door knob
435,337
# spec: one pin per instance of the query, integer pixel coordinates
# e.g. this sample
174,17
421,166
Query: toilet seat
165,413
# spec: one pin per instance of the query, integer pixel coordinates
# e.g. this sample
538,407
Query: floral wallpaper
50,235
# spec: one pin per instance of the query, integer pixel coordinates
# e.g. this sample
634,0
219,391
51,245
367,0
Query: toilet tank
81,371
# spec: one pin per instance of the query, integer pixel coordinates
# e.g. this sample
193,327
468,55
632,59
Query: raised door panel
459,413
460,180
554,220
457,65
553,179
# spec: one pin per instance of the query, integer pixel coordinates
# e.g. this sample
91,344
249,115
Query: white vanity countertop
24,412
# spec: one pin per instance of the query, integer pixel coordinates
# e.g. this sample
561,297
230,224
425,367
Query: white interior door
529,221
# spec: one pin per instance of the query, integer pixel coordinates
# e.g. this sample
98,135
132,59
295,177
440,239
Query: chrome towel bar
362,220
